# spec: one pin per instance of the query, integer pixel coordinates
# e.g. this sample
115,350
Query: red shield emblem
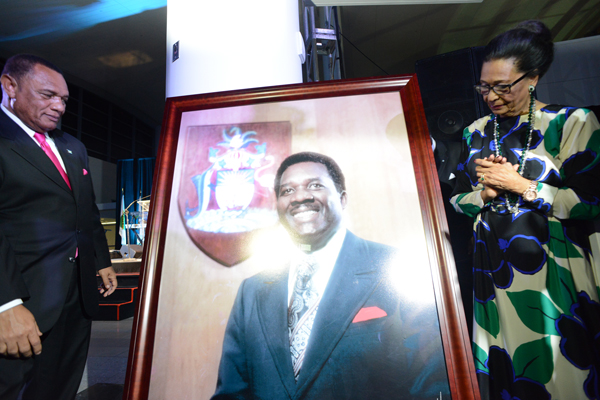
226,194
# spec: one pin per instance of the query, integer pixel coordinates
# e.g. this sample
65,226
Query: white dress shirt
325,257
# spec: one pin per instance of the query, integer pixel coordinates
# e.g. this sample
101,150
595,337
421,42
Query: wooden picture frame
407,112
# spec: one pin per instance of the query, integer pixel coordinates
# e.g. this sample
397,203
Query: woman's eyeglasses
498,89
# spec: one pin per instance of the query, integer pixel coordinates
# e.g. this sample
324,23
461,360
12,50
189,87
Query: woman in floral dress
530,176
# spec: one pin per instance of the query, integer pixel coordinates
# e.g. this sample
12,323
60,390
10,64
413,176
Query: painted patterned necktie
41,138
302,311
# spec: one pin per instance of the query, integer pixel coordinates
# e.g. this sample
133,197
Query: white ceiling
124,59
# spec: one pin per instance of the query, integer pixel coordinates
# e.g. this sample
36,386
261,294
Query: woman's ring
482,177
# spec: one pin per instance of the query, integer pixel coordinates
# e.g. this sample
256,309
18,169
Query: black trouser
56,373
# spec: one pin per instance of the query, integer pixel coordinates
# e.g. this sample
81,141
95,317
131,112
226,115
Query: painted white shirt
326,258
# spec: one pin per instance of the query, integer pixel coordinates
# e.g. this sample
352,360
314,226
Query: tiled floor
104,373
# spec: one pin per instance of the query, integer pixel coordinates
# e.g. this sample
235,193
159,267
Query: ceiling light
125,59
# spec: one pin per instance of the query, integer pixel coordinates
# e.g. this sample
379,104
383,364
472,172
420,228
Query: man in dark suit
51,239
335,324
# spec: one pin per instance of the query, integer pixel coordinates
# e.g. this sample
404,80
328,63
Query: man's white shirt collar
326,259
27,129
31,132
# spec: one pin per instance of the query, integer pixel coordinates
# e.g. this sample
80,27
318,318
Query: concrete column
232,44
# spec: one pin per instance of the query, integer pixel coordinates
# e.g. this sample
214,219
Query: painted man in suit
51,239
332,323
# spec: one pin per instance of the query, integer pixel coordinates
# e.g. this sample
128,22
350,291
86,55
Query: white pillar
232,44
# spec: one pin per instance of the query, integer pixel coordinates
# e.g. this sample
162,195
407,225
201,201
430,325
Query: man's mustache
306,205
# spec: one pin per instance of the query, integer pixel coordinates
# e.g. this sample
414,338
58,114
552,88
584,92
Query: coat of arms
226,193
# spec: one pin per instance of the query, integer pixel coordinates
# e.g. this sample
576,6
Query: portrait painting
225,197
220,243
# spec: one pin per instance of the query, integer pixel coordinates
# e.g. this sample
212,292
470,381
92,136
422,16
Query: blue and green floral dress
536,285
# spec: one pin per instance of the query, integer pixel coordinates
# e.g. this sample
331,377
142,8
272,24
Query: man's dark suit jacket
396,356
43,222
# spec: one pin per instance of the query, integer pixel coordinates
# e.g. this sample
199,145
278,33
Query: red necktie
41,138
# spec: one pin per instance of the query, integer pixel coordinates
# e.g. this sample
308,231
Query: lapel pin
69,151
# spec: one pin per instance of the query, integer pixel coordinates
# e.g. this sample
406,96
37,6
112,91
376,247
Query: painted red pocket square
368,313
85,171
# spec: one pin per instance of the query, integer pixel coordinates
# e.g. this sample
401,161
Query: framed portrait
214,223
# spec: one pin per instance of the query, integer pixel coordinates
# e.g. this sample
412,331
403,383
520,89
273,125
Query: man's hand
109,281
19,333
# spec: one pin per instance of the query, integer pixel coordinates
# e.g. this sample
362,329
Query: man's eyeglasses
498,89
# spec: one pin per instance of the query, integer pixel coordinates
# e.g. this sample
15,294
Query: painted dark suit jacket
397,356
43,222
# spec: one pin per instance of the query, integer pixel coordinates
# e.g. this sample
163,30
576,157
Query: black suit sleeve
12,285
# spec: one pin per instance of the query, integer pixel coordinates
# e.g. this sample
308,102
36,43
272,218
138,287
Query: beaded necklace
514,206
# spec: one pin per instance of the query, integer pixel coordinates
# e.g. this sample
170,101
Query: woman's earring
531,88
